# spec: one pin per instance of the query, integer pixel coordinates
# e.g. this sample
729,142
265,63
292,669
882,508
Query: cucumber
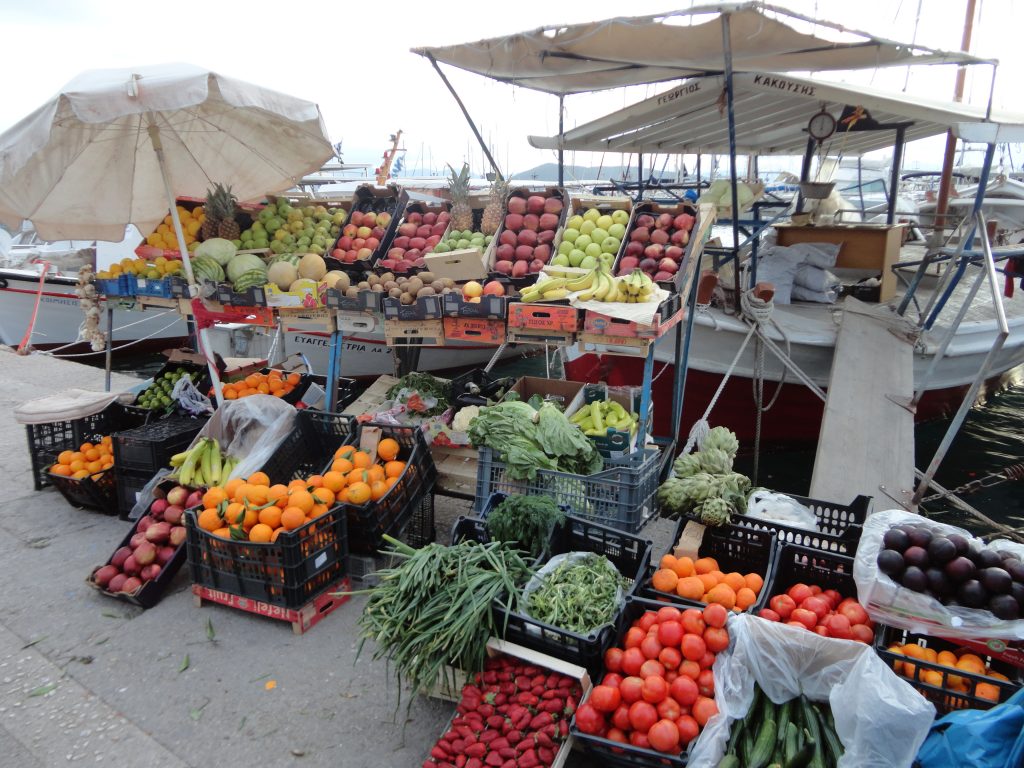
785,713
741,726
761,754
792,741
814,731
729,761
803,757
833,745
746,747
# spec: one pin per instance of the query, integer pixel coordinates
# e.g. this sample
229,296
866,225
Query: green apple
617,231
610,244
593,250
620,217
587,227
588,263
576,257
603,222
463,243
575,222
583,241
570,234
561,260
591,214
565,247
598,234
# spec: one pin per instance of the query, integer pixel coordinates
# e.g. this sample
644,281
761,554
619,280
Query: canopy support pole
805,172
894,176
561,138
465,113
639,176
733,181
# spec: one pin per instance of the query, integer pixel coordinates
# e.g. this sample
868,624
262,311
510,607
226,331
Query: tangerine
222,533
359,493
705,565
722,594
690,587
270,516
292,518
684,567
260,533
334,481
318,509
277,532
735,580
65,457
387,449
361,460
302,499
345,452
324,496
235,513
394,469
745,598
259,478
61,469
214,496
375,473
754,582
231,486
708,580
210,520
314,481
277,492
379,489
342,466
665,578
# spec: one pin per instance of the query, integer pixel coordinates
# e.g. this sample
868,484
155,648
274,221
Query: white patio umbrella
118,146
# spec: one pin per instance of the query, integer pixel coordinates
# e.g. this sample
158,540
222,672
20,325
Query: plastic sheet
191,400
888,602
779,508
880,719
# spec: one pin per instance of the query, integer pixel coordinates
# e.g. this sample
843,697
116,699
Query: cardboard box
543,317
475,329
568,394
616,443
461,266
308,298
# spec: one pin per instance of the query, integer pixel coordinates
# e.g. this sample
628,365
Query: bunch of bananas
596,285
202,465
595,418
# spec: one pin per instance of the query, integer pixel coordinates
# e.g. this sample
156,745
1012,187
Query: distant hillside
549,172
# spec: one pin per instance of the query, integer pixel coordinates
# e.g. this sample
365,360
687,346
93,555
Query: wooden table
862,246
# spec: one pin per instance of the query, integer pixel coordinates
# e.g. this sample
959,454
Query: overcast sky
354,60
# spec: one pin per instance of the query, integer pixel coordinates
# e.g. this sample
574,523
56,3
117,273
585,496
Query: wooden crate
371,399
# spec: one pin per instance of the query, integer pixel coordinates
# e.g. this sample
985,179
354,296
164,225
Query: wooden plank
866,443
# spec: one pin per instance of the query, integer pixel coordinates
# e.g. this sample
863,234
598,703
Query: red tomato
671,675
634,636
706,683
632,660
620,717
604,698
650,647
684,690
688,729
664,736
642,715
613,659
670,657
693,621
820,629
630,688
832,596
799,593
839,626
668,613
689,669
805,617
617,734
669,709
655,689
670,633
716,639
815,589
589,720
715,615
707,661
863,633
845,601
693,647
703,709
816,605
782,605
855,613
768,613
652,668
638,739
648,620
793,623
612,678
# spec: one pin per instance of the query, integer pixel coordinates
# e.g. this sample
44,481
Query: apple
598,234
356,218
536,266
527,237
617,231
548,221
506,252
627,264
396,253
574,222
565,247
620,217
542,252
508,237
680,237
516,205
389,263
350,257
553,205
358,243
587,226
513,221
640,235
430,218
364,232
546,236
378,232
654,251
504,266
589,262
663,277
423,231
594,249
364,254
659,236
634,248
683,221
610,244
561,260
524,252
645,221
664,221
418,243
667,265
531,221
494,288
433,240
674,252
535,204
438,230
576,257
338,253
519,269
372,243
650,266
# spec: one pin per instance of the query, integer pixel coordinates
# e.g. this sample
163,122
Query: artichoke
698,487
714,461
686,465
715,512
723,439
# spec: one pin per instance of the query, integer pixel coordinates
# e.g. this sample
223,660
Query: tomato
693,647
629,689
782,605
706,683
805,617
620,717
715,615
693,621
632,659
670,633
703,709
668,613
833,597
613,659
671,675
768,613
638,739
652,668
664,736
655,689
816,605
855,613
634,636
815,589
613,679
688,729
647,620
604,698
839,626
669,709
650,647
716,639
799,593
707,661
589,720
863,633
617,734
670,657
821,629
684,690
689,669
797,624
642,715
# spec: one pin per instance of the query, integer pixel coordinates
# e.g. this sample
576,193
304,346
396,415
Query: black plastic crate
148,594
489,307
46,441
151,446
614,753
468,388
199,373
941,695
735,548
629,554
98,491
312,442
129,483
795,564
420,530
287,572
839,525
367,523
346,388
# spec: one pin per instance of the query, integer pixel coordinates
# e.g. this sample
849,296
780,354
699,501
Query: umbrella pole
204,333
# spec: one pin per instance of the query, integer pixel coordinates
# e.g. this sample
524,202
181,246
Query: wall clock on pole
821,126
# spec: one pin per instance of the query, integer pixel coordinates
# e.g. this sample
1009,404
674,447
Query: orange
214,496
77,456
334,481
665,579
61,469
260,533
294,378
387,449
896,664
361,460
277,492
708,580
359,493
342,466
92,454
259,478
668,560
970,665
209,520
292,518
315,481
77,465
235,513
745,598
263,388
66,457
345,451
684,567
987,691
302,499
297,483
690,587
230,394
394,468
705,565
257,495
252,516
376,472
391,482
79,474
253,380
723,595
359,476
932,677
232,485
379,489
270,516
277,532
754,582
734,580
947,658
324,496
318,509
94,466
224,533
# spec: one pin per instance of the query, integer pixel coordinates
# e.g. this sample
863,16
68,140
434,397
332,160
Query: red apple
654,251
535,204
400,242
546,236
423,231
396,253
644,220
514,221
356,219
680,237
553,205
369,219
372,243
517,205
508,237
504,266
640,235
364,254
664,221
438,229
433,240
627,264
659,236
650,266
683,221
350,257
548,221
527,237
667,265
349,230
674,252
420,262
430,218
338,253
634,248
389,263
344,242
419,243
531,221
535,266
542,252
663,277
364,232
519,268
524,252
444,217
414,217
383,219
506,252
378,232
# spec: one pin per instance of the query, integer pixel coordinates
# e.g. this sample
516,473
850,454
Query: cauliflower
463,418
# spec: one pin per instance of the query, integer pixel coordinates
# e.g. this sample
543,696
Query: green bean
579,595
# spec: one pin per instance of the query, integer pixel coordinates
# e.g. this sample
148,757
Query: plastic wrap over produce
895,605
880,719
250,429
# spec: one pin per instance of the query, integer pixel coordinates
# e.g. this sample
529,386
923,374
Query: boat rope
1012,472
51,352
121,328
26,342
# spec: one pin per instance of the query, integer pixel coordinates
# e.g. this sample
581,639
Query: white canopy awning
772,112
650,49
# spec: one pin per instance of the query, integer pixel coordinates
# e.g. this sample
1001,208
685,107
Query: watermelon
242,263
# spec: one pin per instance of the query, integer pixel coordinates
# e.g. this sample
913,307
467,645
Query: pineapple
220,214
458,187
495,208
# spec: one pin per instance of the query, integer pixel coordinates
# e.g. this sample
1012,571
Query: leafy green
580,594
525,521
427,386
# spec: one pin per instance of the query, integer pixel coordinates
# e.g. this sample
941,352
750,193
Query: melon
218,249
312,266
243,262
282,274
337,279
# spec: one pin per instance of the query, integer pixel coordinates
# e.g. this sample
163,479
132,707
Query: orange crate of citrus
276,383
357,479
702,581
90,459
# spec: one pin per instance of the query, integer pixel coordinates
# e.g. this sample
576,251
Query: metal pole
465,113
561,138
894,177
805,171
110,341
640,176
733,183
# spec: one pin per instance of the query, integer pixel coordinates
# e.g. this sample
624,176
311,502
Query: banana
179,458
214,475
559,293
531,294
605,288
590,292
582,282
552,285
186,473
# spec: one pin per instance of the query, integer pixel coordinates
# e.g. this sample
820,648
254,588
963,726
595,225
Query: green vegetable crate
629,554
620,496
475,528
616,443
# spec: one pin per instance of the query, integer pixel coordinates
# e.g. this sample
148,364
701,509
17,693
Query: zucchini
746,747
761,754
729,761
785,713
739,727
833,745
803,757
792,741
814,731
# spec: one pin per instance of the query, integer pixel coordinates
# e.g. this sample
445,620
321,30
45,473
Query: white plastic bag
888,602
250,430
880,719
190,399
779,508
